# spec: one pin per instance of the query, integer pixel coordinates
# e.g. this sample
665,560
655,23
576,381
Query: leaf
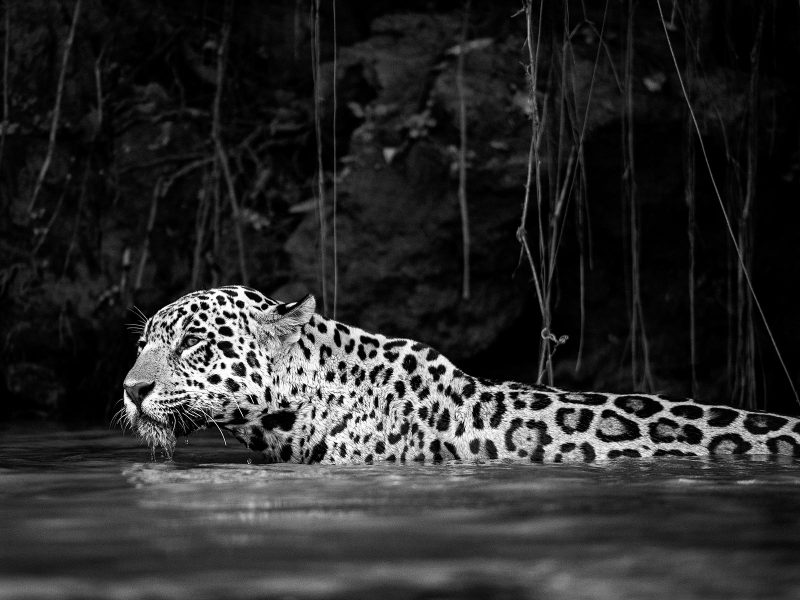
470,46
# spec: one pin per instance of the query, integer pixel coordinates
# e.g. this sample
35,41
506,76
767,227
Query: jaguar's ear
284,321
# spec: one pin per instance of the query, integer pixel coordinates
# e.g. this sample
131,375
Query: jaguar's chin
157,435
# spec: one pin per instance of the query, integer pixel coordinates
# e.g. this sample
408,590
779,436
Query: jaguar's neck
340,368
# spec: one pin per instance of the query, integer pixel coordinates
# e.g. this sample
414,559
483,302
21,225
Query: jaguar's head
208,358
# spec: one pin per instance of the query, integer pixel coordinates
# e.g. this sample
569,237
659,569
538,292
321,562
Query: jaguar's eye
189,341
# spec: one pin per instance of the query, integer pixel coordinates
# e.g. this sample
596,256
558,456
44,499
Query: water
89,515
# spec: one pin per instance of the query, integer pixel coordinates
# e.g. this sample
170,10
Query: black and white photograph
399,300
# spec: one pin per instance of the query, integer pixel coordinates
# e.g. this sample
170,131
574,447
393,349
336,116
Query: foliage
150,149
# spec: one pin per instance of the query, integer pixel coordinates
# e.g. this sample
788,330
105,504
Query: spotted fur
301,388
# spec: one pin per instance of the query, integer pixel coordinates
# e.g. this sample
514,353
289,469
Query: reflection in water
84,515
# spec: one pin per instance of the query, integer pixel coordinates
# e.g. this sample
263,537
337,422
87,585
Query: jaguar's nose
138,390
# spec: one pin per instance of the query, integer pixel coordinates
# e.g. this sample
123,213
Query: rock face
399,237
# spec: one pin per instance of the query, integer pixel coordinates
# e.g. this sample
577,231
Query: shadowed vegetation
523,186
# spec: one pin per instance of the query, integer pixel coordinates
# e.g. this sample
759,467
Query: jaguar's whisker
210,420
139,314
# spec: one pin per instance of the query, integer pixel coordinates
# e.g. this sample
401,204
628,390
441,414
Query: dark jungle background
521,185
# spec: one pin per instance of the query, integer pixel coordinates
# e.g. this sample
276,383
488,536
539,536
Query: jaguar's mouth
160,421
143,417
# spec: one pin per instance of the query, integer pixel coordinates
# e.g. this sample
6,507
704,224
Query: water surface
89,515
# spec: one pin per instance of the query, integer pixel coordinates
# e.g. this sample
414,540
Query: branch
137,284
221,155
335,183
315,71
718,195
159,191
57,108
462,157
6,49
534,171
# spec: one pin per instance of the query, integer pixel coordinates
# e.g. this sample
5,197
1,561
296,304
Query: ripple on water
85,515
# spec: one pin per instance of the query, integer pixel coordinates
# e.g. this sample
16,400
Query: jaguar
298,387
